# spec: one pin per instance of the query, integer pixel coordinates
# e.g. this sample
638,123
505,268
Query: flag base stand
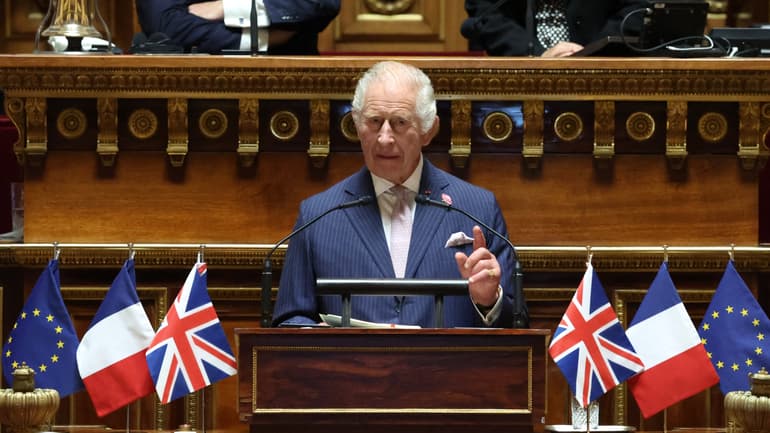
586,420
568,428
185,428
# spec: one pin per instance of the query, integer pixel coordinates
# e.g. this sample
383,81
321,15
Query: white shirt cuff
238,13
494,312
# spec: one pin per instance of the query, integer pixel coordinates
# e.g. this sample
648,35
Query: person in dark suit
285,26
394,110
562,27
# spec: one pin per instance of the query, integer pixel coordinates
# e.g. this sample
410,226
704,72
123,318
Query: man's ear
428,136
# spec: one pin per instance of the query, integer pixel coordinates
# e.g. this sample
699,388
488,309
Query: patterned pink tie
400,230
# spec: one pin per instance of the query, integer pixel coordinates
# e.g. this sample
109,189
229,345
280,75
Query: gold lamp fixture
68,23
24,408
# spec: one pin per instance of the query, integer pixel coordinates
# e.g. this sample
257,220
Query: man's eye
401,124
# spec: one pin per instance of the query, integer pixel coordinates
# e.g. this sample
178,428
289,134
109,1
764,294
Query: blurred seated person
284,26
562,27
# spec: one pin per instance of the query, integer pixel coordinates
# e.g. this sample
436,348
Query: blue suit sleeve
172,18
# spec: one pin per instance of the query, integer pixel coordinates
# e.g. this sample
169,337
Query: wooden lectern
391,380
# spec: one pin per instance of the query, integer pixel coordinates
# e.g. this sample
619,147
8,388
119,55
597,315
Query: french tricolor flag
675,360
111,355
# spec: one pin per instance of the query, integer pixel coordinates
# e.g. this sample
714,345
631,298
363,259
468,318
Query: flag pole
202,391
588,414
203,409
128,406
128,418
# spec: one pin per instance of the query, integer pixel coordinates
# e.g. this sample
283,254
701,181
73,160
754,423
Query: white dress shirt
238,14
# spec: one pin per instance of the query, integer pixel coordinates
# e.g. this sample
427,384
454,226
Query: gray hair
425,100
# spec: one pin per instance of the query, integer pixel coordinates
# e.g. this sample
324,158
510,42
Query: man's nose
386,132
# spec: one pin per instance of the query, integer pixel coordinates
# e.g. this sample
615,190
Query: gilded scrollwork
751,150
320,143
107,138
460,144
604,129
533,147
499,81
248,131
676,133
37,135
389,7
14,108
177,131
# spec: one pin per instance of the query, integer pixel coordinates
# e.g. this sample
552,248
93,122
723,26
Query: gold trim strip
395,411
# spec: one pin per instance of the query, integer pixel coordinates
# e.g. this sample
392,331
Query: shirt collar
412,183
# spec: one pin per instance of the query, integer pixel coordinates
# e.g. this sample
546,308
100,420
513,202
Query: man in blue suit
394,110
285,26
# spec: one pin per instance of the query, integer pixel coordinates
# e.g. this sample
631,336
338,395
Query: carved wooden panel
373,26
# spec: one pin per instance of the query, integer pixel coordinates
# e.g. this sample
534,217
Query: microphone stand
253,33
267,268
530,27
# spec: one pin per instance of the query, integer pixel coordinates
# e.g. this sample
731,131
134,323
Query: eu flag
736,332
44,339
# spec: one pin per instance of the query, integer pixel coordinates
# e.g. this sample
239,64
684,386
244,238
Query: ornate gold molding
676,134
248,131
28,82
107,139
37,135
177,131
604,130
14,108
320,143
752,151
533,258
504,78
460,146
533,147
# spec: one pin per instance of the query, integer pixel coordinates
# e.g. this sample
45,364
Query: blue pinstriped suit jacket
350,243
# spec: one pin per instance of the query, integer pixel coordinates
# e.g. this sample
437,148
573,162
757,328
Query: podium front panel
458,378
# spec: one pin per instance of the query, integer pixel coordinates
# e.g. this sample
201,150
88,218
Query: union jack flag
190,349
590,346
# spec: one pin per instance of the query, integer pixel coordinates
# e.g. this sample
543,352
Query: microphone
520,315
267,269
530,27
253,35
